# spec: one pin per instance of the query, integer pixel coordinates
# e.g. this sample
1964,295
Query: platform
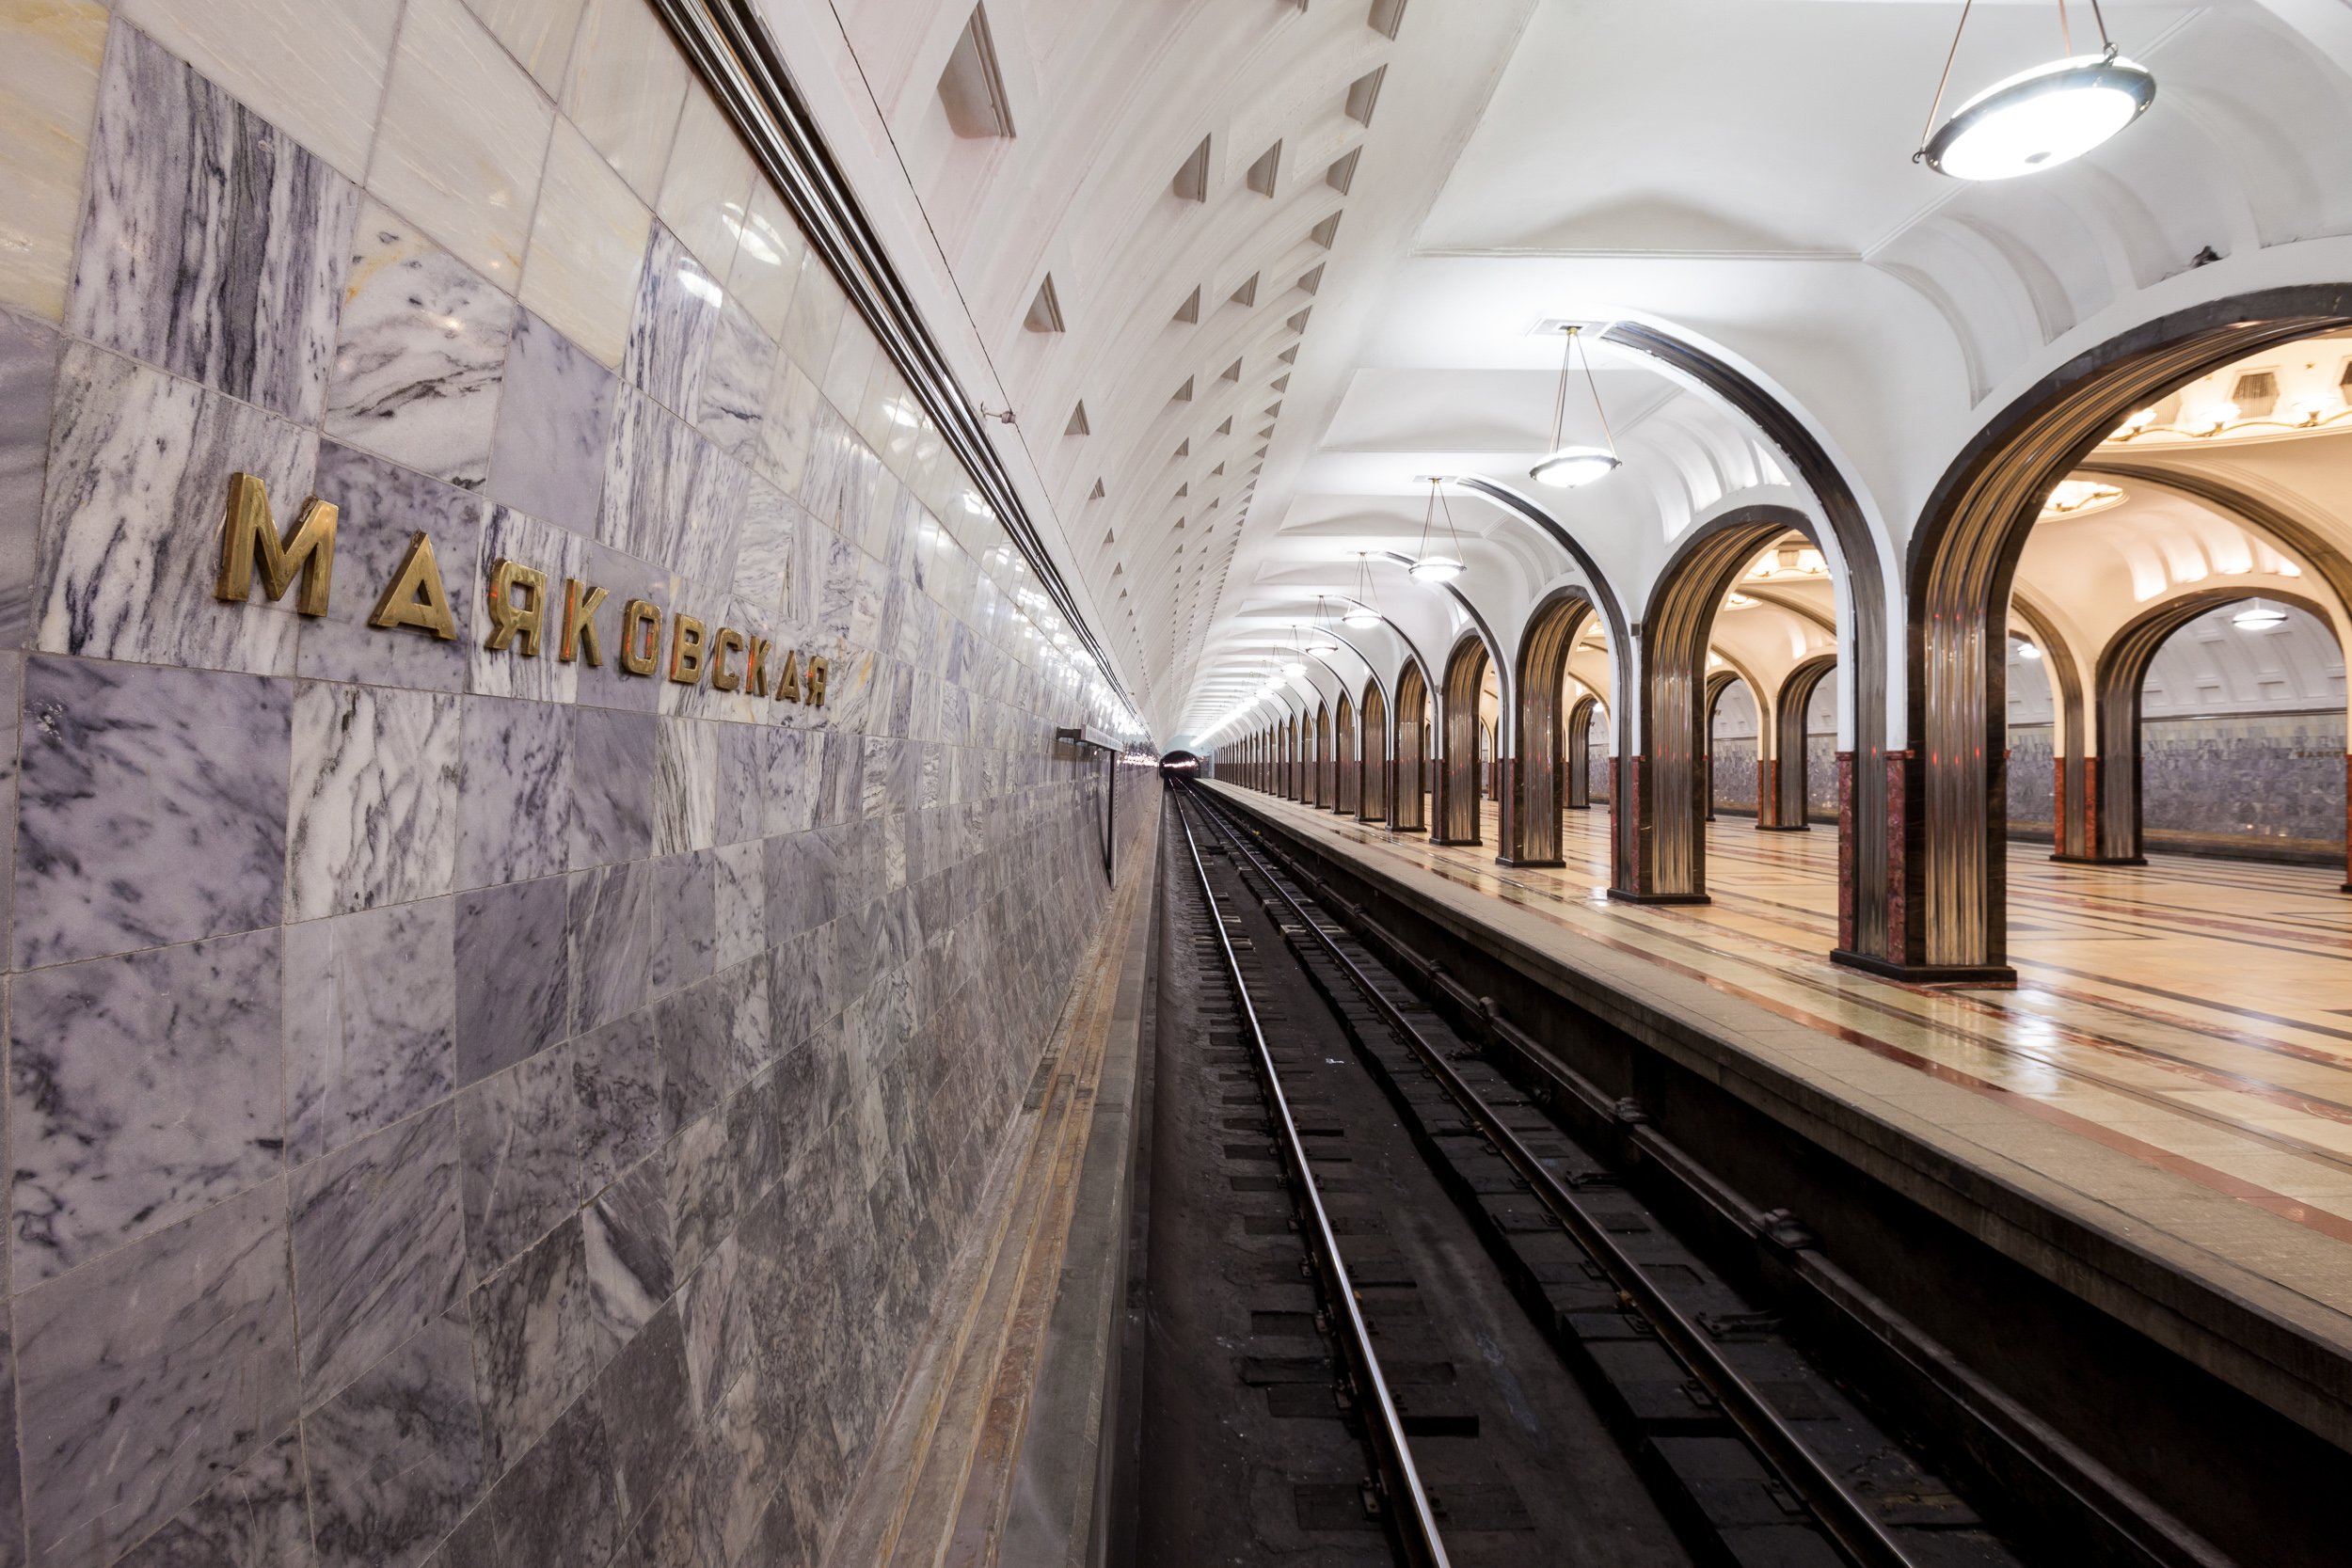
2158,1116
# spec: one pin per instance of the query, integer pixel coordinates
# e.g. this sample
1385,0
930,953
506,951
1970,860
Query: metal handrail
1418,1526
1850,1523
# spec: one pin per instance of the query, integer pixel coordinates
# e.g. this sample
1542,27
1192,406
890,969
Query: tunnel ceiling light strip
2038,118
739,62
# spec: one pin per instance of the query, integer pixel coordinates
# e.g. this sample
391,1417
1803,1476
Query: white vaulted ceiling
1736,172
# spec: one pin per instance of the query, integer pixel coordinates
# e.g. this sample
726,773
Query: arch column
1410,742
1347,775
1373,804
1546,775
1456,805
1577,764
1780,794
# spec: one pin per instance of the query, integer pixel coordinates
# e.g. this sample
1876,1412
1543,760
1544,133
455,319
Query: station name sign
524,605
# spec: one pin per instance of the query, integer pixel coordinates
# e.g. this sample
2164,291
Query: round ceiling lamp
2027,650
1320,642
1438,565
1566,467
2038,118
2260,617
1359,612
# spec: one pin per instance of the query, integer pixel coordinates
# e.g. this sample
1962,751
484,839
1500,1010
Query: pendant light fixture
1294,664
1320,642
2260,617
1567,468
2038,118
1363,612
1438,567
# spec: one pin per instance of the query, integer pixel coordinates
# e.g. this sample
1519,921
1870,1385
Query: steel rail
1848,1522
1417,1526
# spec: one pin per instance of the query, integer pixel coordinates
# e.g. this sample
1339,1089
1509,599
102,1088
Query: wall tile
50,52
684,937
587,245
462,139
143,1088
694,1030
228,278
788,425
315,67
815,320
553,424
382,507
624,577
557,1506
121,1360
151,810
742,904
685,785
617,1074
538,33
371,1023
767,266
418,352
28,385
513,792
707,189
609,921
372,816
258,1517
510,672
134,454
613,761
378,1247
735,383
628,1239
513,977
537,1346
623,88
397,1457
518,1134
642,1399
670,327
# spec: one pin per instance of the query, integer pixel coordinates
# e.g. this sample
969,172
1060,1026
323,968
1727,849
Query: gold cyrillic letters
722,678
688,650
816,668
415,597
247,529
641,636
580,622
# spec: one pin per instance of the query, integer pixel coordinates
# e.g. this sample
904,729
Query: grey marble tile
211,245
685,785
419,352
557,1507
472,1544
397,1457
741,913
694,1031
519,1131
794,780
700,543
642,1397
371,1023
372,817
512,975
537,1344
151,807
123,1360
787,426
685,936
623,577
509,672
553,424
378,1246
699,1180
134,454
28,388
765,546
609,930
843,475
756,1135
514,789
741,781
801,872
613,758
669,334
258,1516
143,1090
671,497
631,1247
715,1310
735,383
382,507
617,1075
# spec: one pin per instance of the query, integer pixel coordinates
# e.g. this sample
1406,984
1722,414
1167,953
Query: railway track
1636,1409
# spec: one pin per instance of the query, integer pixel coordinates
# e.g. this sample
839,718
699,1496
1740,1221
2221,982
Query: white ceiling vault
1275,341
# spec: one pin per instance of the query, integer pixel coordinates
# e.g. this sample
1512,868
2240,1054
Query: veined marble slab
371,1023
373,814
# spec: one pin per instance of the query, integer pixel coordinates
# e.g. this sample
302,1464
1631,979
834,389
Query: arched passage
1372,805
1720,684
2117,791
1347,772
1546,775
1949,874
1409,738
1577,764
1780,783
1663,787
2071,831
1457,761
1319,784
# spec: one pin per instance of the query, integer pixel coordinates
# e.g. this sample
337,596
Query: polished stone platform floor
2194,1014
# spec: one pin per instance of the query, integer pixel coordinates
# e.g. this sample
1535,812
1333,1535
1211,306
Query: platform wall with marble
465,1107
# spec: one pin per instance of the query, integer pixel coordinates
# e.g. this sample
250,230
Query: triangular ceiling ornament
1044,309
1183,448
1342,173
1232,371
1312,278
1226,426
1247,293
1189,312
1289,355
1192,179
1298,319
1184,393
1281,383
1265,171
1078,425
1364,92
1095,494
1324,233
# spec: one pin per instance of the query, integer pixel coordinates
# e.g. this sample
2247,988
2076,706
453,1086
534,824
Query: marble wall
467,1107
2264,783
